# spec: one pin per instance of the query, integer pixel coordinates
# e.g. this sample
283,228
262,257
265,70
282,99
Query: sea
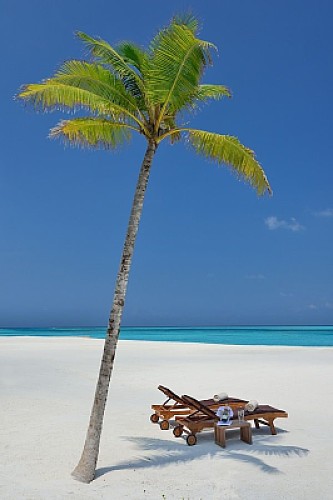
314,336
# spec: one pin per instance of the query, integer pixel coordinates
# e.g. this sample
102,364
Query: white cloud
255,277
322,305
328,212
283,294
274,223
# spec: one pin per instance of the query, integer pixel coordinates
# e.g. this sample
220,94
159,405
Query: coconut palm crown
126,89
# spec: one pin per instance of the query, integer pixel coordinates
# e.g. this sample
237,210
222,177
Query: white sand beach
46,391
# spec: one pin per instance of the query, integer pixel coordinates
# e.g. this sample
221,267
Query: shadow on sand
160,452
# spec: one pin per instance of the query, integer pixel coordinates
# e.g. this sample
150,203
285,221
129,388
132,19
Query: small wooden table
243,426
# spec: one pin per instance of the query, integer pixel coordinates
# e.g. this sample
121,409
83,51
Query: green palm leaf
96,79
92,132
176,65
132,54
54,95
136,57
227,149
106,54
187,20
51,95
206,91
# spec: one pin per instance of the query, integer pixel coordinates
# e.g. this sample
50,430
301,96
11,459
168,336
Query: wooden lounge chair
203,417
175,406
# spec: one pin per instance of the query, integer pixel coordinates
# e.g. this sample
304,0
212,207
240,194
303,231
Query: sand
46,391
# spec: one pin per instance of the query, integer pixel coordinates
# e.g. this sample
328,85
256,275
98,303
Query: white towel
220,397
251,405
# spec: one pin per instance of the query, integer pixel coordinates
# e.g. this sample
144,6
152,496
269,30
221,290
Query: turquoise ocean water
317,336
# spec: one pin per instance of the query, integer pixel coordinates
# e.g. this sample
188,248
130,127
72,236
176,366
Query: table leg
246,434
220,436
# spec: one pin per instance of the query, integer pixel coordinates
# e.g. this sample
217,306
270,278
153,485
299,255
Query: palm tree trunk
85,470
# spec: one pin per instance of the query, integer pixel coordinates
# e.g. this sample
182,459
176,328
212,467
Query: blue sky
209,251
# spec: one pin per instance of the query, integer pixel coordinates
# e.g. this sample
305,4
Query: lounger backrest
194,403
170,394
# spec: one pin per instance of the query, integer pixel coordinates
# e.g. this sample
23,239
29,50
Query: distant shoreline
302,336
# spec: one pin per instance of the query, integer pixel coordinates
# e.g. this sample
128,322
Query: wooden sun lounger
175,406
204,418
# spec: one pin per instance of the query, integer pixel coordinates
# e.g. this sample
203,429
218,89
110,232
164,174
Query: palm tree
127,89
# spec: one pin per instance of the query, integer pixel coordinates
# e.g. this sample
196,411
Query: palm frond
228,150
96,79
95,133
53,95
132,54
187,19
104,53
176,65
207,91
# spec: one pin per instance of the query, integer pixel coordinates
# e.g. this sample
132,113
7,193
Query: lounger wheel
191,440
164,425
154,418
178,431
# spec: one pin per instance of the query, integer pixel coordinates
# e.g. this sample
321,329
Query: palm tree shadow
174,451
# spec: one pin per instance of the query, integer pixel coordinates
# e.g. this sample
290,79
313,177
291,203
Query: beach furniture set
189,416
